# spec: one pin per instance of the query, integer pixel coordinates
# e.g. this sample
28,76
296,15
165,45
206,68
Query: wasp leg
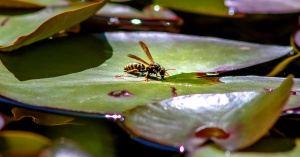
129,71
156,74
146,77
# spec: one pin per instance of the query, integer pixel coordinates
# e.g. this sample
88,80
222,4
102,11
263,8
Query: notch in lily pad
229,119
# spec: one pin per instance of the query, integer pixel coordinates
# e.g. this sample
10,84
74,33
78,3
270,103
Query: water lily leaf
264,6
94,137
213,150
42,24
21,143
20,4
149,12
41,118
230,119
64,147
46,73
215,7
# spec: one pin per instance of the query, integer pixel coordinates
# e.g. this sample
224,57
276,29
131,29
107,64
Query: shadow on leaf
57,57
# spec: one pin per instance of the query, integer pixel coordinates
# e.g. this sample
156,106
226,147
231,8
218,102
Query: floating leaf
94,137
41,118
64,147
21,143
20,4
230,119
215,151
42,24
46,73
264,6
215,7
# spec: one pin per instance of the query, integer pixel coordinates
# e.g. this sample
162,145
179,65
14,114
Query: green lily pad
230,120
77,73
20,30
21,143
20,4
215,151
215,7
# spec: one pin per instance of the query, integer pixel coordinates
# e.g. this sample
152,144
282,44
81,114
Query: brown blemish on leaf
120,93
4,21
173,90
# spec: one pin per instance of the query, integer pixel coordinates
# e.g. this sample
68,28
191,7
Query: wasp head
162,73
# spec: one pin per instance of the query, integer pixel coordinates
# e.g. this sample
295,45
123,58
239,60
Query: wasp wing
146,50
137,58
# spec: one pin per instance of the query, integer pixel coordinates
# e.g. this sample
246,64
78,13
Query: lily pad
215,7
48,74
20,30
215,151
229,119
264,6
21,143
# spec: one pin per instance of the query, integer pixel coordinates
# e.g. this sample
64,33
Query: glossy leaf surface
25,29
230,119
46,73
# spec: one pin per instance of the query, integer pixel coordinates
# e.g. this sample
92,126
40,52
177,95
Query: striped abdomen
139,66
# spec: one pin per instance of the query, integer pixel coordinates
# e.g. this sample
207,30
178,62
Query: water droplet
120,93
231,11
187,85
114,117
181,149
227,153
113,21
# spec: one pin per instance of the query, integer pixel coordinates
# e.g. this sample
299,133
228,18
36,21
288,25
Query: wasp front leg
146,77
129,71
156,74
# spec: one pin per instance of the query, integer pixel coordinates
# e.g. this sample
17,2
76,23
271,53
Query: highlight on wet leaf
230,119
42,24
21,143
42,118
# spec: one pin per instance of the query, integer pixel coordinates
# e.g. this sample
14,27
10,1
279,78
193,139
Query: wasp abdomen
139,66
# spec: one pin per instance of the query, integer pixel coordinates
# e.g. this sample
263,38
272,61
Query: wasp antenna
171,69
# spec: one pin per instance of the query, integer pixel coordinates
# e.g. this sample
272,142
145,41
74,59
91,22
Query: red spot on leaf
173,90
120,93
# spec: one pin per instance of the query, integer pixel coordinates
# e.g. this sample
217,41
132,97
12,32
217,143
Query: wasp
142,66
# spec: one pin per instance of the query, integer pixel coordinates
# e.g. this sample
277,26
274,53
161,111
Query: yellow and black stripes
137,65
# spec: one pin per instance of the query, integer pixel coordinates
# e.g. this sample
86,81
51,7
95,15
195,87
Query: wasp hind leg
129,71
